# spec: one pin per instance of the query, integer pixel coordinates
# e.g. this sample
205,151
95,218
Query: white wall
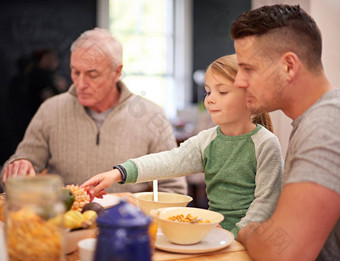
326,14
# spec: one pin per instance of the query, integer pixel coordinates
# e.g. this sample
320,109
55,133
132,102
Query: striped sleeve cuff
131,171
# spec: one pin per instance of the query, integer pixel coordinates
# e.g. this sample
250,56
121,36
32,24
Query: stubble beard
255,109
261,107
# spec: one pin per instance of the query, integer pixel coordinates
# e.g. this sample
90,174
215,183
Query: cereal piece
187,219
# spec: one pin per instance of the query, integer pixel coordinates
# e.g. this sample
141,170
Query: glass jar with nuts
34,218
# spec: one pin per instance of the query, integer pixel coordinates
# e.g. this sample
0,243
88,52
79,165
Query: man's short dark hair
291,28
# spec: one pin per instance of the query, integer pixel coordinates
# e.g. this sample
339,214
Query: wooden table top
234,252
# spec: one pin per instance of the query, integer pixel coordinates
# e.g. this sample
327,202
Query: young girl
240,158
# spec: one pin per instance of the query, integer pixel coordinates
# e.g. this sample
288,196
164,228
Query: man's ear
291,64
118,72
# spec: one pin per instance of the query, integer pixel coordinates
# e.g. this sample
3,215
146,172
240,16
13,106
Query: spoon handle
155,190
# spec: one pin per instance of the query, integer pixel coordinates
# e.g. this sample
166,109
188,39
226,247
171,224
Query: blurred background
167,46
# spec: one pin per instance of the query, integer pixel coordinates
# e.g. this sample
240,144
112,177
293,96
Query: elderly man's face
94,78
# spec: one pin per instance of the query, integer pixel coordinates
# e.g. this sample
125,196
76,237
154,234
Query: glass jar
33,220
2,207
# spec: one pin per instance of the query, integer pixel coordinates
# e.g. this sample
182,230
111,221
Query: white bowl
87,248
185,233
144,200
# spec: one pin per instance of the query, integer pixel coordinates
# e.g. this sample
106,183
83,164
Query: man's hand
21,167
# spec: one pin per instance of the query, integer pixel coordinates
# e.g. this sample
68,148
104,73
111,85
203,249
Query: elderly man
279,52
96,124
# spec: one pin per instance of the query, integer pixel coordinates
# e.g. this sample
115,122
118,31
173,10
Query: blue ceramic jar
123,234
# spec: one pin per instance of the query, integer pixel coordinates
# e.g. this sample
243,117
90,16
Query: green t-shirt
242,173
230,168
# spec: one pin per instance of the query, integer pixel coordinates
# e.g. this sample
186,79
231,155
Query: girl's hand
98,183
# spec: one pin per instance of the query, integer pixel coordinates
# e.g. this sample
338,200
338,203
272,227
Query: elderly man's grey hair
103,41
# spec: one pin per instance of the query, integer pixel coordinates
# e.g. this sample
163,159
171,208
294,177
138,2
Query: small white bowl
185,233
144,200
87,249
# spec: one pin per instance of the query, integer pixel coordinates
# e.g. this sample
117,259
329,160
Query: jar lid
31,189
123,214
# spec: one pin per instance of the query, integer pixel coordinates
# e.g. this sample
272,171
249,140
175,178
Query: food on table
152,230
81,197
67,197
188,218
73,219
56,221
30,237
2,211
90,217
184,231
94,206
80,212
87,189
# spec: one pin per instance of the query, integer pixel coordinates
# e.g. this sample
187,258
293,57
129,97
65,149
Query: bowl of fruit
81,214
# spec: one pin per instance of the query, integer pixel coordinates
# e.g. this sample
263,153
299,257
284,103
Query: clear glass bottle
34,218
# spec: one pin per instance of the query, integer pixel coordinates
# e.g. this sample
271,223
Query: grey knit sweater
63,138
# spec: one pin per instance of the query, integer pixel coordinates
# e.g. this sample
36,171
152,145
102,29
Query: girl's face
225,103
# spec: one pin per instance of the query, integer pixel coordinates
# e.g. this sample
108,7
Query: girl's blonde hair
227,67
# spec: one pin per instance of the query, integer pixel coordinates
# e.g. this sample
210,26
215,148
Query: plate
107,201
217,239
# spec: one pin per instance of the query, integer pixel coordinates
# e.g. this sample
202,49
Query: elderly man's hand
21,167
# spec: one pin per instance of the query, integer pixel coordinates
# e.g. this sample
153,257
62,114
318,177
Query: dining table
234,251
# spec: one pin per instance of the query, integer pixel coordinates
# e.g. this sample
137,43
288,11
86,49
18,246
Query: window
155,48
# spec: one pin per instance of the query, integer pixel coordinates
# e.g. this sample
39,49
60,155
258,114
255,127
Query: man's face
260,75
94,78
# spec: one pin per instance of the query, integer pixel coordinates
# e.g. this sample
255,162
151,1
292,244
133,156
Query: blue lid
123,214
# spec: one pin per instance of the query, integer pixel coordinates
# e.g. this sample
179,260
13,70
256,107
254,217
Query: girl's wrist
122,173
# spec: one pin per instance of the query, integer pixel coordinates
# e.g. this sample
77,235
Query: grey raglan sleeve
163,139
267,180
184,160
